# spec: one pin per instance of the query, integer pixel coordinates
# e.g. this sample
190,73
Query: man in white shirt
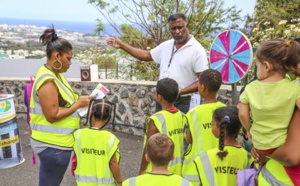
181,58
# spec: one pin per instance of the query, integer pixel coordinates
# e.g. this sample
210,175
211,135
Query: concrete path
26,174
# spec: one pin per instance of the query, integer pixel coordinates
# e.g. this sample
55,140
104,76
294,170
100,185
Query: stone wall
135,100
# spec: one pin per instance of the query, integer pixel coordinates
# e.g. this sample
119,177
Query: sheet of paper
100,91
195,100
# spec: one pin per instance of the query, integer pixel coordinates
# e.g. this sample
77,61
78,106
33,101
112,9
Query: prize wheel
231,55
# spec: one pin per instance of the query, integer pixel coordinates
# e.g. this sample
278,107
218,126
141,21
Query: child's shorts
266,152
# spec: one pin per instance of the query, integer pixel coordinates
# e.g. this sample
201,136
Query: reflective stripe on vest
191,178
162,120
175,161
39,111
50,129
208,170
77,143
266,174
185,182
198,139
132,182
94,179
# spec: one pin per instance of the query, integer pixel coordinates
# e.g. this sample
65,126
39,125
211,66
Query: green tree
274,11
143,23
273,19
150,16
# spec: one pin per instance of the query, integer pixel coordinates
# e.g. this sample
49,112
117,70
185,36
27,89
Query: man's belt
184,97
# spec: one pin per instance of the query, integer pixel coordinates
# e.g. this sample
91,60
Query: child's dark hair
101,109
228,120
168,89
211,79
160,149
54,43
283,55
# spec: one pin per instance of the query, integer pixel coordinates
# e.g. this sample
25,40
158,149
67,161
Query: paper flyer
195,100
100,91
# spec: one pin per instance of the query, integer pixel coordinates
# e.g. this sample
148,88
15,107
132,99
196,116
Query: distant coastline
83,27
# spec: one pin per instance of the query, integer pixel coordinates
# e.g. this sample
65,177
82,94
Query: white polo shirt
186,62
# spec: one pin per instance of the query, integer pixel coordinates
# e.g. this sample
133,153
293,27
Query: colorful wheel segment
231,54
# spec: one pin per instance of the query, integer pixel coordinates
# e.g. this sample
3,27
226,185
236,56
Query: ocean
83,27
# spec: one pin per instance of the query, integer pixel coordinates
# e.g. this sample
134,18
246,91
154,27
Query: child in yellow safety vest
160,151
96,160
168,121
219,166
199,120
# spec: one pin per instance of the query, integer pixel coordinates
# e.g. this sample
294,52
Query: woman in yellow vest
159,151
53,107
96,160
219,166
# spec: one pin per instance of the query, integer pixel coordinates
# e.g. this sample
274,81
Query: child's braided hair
101,109
229,124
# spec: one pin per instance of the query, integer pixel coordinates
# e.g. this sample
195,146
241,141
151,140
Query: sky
75,10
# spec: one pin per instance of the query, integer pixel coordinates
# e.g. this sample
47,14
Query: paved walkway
26,174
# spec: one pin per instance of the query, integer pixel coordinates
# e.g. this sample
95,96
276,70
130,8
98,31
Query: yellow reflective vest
94,149
60,132
171,124
199,121
210,170
273,173
151,179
